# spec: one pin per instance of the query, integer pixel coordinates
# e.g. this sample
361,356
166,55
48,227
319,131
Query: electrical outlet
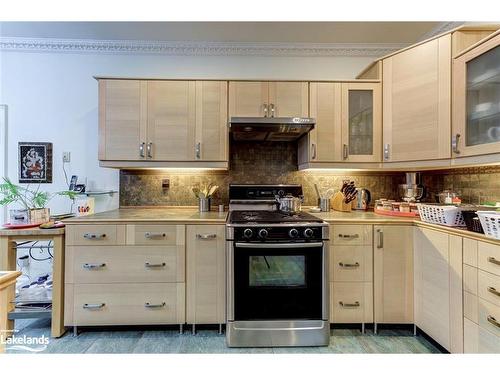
66,157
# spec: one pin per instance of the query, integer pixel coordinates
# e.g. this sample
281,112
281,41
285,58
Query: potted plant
33,202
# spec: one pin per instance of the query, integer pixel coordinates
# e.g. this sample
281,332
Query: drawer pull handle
94,236
493,291
380,239
93,306
349,305
150,235
494,261
154,265
349,265
153,305
92,266
349,235
206,236
493,321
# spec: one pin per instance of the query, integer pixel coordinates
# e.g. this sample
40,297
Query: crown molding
196,48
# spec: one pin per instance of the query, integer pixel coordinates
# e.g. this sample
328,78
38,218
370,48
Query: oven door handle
294,245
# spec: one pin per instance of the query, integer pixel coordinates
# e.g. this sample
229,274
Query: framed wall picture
35,162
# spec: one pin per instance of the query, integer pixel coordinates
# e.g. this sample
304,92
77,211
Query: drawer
351,302
489,287
92,235
470,252
352,234
125,304
123,264
146,234
489,316
489,257
471,306
351,263
477,340
470,279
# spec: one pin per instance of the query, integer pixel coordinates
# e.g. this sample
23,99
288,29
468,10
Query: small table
8,239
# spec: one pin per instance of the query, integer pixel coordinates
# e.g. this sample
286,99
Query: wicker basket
445,215
472,221
490,221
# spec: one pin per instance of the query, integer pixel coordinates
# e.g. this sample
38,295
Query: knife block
338,203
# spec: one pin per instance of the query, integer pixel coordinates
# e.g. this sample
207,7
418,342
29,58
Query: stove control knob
263,233
308,233
247,233
293,233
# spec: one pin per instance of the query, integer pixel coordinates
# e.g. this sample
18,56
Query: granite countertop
190,215
174,214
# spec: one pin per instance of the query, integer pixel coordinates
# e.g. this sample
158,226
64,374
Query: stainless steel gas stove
277,271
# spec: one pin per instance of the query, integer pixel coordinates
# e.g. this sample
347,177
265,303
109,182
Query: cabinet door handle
454,143
493,291
94,266
313,151
265,109
387,151
206,236
494,261
493,321
94,236
380,239
345,151
271,106
348,235
150,149
349,305
349,265
141,149
152,236
198,150
154,265
154,305
93,306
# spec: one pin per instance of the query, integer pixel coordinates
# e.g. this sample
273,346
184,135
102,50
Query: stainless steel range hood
270,128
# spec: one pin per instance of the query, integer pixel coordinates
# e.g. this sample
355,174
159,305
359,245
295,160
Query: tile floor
158,340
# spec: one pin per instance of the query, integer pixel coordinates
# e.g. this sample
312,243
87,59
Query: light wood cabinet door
438,287
122,119
171,121
361,122
417,102
205,282
211,121
393,274
288,99
325,107
248,99
476,100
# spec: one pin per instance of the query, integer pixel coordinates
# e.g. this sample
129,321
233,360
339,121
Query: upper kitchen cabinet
348,124
417,102
361,122
122,119
476,99
171,120
268,99
163,123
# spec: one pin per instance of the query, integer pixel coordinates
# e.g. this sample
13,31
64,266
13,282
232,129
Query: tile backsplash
276,162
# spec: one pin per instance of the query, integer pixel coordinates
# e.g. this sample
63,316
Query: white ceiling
239,32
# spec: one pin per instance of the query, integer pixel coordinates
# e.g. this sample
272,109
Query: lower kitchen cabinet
438,287
351,302
393,274
206,274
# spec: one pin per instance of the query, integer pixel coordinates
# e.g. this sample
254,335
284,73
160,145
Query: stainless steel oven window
287,271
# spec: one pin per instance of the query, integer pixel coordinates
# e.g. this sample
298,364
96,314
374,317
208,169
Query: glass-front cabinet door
361,122
476,100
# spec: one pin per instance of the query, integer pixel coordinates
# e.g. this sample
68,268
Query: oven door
278,281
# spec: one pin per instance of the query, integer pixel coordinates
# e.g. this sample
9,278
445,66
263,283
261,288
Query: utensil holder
324,204
204,204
